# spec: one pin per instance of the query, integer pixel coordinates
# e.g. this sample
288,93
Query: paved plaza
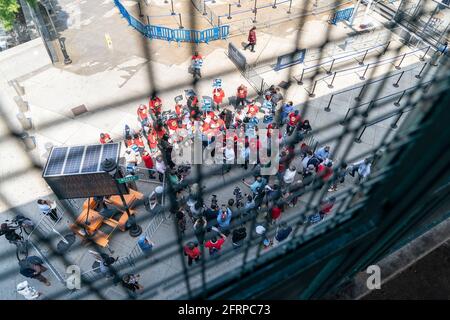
115,69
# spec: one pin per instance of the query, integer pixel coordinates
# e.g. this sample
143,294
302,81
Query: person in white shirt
48,208
160,167
229,157
27,291
289,175
363,168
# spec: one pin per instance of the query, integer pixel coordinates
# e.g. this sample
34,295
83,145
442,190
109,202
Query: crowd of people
301,167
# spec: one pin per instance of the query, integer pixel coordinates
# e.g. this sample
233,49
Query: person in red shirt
148,162
214,245
218,95
192,251
325,171
253,109
137,140
293,119
326,206
275,213
241,96
179,109
142,113
152,141
155,105
251,39
105,138
172,124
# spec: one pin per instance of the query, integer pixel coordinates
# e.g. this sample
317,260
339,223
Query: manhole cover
79,110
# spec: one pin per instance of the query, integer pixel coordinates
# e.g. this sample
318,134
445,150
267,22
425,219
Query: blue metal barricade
342,15
168,34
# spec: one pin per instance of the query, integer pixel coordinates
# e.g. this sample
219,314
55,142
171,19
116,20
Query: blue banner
342,15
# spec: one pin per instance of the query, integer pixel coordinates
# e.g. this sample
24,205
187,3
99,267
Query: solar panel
75,172
90,163
110,151
56,161
74,159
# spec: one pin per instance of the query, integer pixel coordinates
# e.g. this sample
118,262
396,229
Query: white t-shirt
289,176
229,154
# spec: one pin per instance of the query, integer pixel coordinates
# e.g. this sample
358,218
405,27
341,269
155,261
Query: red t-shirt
194,253
326,208
324,172
218,244
106,139
172,124
147,161
142,113
294,119
218,95
155,104
276,213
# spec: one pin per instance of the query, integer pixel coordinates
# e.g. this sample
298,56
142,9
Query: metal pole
331,67
290,6
397,103
254,19
148,20
140,10
229,11
365,114
239,4
362,61
422,58
419,75
385,49
254,7
363,77
181,23
204,8
332,80
300,82
352,18
312,95
398,67
327,108
358,140
274,4
358,98
394,124
398,80
173,12
346,116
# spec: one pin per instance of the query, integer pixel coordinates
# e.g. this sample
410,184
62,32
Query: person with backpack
214,245
32,267
192,251
238,236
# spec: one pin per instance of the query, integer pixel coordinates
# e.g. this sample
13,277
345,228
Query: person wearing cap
105,138
192,251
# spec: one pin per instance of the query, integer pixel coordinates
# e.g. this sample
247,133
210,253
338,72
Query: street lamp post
110,166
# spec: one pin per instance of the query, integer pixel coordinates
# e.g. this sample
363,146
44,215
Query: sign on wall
237,57
290,59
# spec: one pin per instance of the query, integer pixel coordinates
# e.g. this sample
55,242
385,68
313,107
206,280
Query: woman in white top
160,167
